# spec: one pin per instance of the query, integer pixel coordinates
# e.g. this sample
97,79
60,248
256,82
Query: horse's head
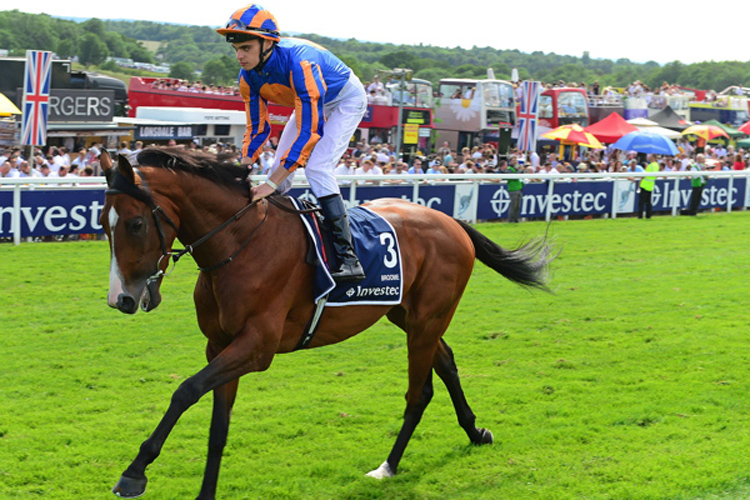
137,241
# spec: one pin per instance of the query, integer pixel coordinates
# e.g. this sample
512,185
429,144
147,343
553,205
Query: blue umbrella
647,142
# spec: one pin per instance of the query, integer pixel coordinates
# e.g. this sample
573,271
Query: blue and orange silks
299,74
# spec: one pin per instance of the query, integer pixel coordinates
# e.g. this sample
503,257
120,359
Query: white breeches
342,117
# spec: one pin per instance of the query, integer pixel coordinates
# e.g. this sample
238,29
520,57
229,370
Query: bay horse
254,298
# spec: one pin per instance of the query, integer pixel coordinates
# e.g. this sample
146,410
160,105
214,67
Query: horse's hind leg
417,398
445,366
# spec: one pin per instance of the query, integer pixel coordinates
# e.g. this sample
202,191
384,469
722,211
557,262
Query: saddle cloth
376,246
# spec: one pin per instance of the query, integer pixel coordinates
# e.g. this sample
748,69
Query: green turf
630,382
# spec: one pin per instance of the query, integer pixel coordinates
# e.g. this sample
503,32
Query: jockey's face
248,54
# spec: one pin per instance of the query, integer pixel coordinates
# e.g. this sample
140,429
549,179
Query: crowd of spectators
194,87
380,159
51,161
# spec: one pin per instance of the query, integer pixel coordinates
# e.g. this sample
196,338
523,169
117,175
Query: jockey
329,102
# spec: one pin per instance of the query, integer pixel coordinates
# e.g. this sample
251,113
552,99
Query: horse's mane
222,169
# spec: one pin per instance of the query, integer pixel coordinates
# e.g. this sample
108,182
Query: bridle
119,184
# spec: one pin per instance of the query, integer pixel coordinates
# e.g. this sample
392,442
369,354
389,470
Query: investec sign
574,198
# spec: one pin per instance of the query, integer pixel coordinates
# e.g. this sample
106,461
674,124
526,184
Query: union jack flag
527,116
36,89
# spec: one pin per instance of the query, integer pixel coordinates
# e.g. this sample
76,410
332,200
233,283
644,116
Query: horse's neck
201,206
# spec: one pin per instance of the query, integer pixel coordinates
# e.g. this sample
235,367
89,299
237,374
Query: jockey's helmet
249,22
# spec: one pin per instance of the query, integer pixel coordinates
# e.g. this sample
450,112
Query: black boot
348,267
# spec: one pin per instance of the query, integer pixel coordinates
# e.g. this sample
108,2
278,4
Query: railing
469,197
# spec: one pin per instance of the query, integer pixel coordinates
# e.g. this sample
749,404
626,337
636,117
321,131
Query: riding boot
348,267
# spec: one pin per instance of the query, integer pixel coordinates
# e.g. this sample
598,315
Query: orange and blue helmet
251,20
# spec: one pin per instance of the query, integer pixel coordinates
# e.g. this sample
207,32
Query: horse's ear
125,168
105,161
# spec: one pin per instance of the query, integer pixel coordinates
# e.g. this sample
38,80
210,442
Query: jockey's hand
262,190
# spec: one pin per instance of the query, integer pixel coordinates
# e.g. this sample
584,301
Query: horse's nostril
126,304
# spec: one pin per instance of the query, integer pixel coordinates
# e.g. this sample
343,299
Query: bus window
417,94
545,106
571,104
448,90
497,95
457,91
423,93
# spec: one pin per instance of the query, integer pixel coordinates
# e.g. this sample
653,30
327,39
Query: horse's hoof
485,436
127,487
383,471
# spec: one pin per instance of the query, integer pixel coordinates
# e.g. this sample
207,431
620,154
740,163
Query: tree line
198,48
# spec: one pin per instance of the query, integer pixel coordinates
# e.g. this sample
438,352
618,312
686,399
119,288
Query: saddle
376,244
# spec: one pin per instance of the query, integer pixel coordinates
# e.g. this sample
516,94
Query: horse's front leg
223,401
245,354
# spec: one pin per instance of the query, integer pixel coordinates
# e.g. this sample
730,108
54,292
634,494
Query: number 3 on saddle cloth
376,246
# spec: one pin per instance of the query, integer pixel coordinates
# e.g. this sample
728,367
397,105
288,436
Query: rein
120,185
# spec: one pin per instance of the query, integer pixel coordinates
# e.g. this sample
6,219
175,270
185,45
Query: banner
61,211
527,115
36,90
50,212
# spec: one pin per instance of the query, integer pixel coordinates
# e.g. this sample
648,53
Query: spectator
400,168
697,182
416,166
266,159
549,168
739,163
10,168
376,86
346,167
65,155
124,149
647,188
368,167
515,191
25,170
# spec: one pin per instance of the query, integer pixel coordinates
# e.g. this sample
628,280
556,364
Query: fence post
550,192
676,197
615,196
15,223
353,193
475,201
730,197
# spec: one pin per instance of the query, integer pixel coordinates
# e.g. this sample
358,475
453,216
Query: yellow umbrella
7,108
574,134
707,132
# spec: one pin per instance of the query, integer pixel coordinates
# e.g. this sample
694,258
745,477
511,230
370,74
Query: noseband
119,184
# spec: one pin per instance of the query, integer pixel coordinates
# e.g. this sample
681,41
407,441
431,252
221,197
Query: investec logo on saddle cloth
376,245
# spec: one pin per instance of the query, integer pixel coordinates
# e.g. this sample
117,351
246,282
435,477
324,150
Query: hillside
199,48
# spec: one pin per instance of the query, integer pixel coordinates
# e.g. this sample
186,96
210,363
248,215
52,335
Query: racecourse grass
629,382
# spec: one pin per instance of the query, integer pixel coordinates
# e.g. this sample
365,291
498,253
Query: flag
36,89
527,116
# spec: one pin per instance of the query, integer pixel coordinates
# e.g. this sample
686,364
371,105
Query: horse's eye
135,226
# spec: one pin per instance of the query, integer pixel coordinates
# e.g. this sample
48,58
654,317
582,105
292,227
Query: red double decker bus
379,124
561,106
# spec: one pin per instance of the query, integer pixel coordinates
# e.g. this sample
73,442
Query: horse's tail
527,265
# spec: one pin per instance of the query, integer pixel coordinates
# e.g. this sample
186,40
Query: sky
654,30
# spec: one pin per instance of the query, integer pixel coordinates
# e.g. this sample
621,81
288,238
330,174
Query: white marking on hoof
383,471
